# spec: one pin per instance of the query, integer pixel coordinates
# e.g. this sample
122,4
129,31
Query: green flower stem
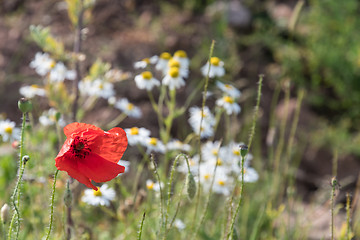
208,197
156,173
252,133
52,204
231,231
348,226
117,120
201,121
16,195
332,201
171,178
141,226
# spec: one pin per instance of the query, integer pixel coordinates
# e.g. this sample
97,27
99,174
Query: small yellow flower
180,54
174,72
215,61
174,63
134,131
153,141
97,193
147,75
165,55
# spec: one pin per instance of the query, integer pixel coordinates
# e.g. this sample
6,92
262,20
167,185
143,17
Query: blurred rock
237,15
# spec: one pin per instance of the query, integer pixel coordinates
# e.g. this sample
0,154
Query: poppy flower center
80,148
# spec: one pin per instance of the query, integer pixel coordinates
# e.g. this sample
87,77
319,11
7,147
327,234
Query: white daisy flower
228,89
145,62
176,144
162,63
48,118
102,196
193,164
125,164
137,135
42,63
222,182
183,70
154,145
145,80
216,68
207,124
98,88
8,131
229,104
32,91
181,56
59,73
180,225
154,186
250,175
128,108
173,79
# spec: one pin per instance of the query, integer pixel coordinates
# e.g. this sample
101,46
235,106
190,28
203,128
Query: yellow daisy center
206,176
236,152
147,60
221,183
192,162
180,54
228,99
35,86
174,72
8,129
214,152
165,55
101,86
130,106
150,186
52,64
153,141
134,131
228,86
174,63
147,75
215,61
219,162
97,193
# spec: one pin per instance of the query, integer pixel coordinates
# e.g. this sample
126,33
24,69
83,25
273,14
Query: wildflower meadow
219,129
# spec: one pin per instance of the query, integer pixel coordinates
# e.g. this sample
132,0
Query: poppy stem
16,195
52,205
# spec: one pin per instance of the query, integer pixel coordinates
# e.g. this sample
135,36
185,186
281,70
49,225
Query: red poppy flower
90,153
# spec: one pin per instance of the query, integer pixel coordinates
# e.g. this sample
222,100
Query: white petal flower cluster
8,131
227,161
216,68
128,108
32,91
48,118
103,196
229,98
97,87
207,124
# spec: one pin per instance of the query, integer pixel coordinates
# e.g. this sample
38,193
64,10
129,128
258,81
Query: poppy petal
77,127
113,146
99,169
69,165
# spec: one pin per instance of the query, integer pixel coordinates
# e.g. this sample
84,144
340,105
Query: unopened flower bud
25,105
190,186
25,159
67,196
243,150
5,213
57,116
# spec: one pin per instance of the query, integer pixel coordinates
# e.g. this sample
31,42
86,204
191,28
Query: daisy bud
5,212
25,105
57,116
243,150
190,186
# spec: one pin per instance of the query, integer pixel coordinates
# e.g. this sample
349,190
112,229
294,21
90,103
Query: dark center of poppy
79,147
